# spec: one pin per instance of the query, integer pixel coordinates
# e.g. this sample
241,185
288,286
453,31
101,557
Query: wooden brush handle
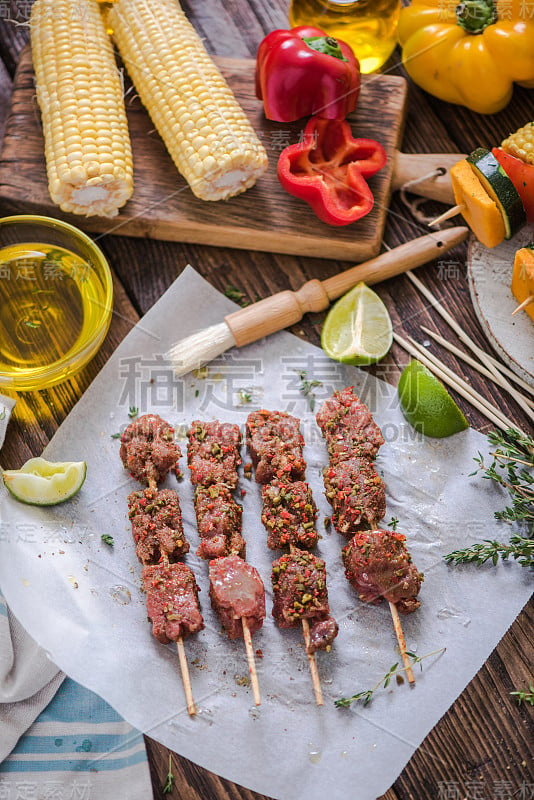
287,308
409,167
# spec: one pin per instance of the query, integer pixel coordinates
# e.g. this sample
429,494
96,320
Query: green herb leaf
133,412
108,539
366,695
169,780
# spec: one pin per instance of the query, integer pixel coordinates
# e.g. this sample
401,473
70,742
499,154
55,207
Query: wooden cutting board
163,207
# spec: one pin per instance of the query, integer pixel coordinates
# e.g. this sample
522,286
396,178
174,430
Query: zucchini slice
500,188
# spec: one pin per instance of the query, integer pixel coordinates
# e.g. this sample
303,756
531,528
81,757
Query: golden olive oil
51,302
368,26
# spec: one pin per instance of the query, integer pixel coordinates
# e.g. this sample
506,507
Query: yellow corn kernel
79,91
521,143
205,130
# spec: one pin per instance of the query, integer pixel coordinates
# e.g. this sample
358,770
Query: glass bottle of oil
369,26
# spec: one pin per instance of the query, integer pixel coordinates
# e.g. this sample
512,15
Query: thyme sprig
512,468
525,695
169,780
366,695
307,386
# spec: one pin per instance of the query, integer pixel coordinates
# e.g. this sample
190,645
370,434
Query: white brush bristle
200,348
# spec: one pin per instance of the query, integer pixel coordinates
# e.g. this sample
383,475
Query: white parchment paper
81,599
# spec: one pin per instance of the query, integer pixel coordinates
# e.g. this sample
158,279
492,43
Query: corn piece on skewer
79,91
205,130
521,143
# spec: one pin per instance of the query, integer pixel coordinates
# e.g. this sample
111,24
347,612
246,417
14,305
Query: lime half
426,403
357,329
45,483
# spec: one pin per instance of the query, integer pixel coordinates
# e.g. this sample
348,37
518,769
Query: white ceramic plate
490,274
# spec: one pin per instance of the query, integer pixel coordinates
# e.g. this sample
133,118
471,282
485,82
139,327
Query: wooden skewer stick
452,212
186,680
251,662
313,664
311,656
526,302
468,360
184,669
402,642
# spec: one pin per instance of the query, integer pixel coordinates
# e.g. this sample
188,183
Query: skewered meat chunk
275,445
378,565
237,592
218,522
348,427
356,493
148,449
157,528
289,514
172,601
213,453
299,586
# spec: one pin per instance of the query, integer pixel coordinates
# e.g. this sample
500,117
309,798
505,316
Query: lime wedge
45,483
426,403
357,329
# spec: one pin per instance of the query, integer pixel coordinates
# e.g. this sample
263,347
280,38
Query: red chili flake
243,492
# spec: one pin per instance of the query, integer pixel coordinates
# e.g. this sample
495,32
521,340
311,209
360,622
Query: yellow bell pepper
470,53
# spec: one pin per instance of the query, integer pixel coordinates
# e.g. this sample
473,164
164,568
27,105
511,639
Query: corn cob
521,143
79,91
206,132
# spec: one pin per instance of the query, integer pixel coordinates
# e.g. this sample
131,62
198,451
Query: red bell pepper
328,169
304,71
522,176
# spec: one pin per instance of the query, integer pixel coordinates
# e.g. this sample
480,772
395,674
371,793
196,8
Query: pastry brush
287,308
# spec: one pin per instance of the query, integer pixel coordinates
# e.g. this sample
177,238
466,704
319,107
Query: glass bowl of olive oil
56,301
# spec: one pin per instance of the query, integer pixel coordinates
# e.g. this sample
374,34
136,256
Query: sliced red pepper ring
327,170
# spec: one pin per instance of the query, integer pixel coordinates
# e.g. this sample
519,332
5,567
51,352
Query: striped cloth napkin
59,741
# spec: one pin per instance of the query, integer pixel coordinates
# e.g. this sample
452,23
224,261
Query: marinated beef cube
356,493
299,587
275,446
148,449
348,426
322,634
213,453
378,565
157,528
172,601
289,514
218,522
237,592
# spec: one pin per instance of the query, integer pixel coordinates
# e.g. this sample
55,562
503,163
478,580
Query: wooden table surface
482,747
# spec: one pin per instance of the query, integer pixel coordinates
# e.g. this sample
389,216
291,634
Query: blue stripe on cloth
75,703
71,765
80,707
81,743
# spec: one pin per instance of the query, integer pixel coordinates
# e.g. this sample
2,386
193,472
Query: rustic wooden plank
163,207
6,87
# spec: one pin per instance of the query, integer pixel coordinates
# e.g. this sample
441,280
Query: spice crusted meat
289,513
356,493
148,449
172,601
218,522
275,445
213,453
348,427
299,587
237,592
157,528
378,565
